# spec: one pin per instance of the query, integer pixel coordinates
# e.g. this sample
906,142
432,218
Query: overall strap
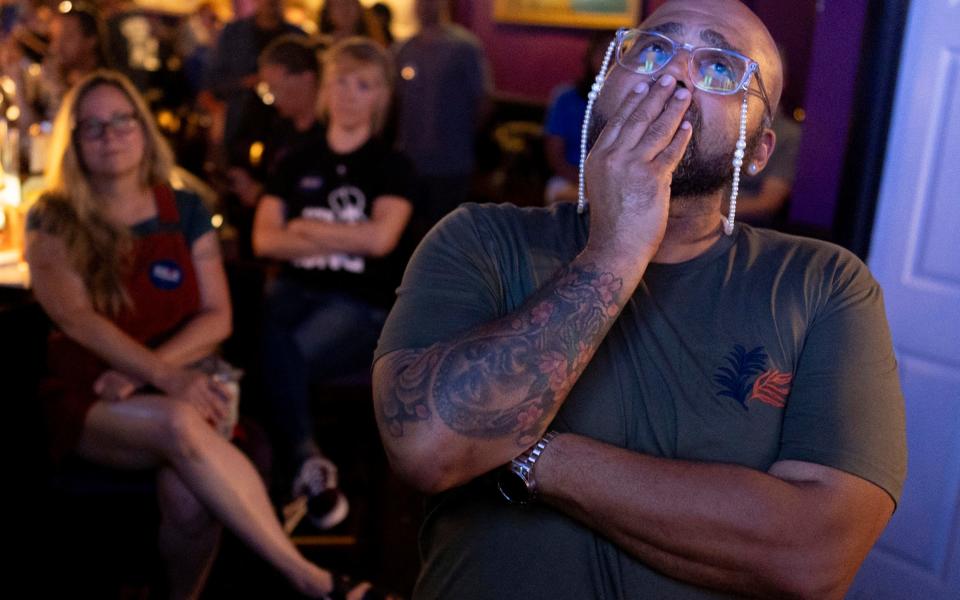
167,212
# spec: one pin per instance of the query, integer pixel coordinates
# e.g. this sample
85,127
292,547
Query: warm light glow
216,221
408,72
13,112
10,190
9,87
65,6
256,153
263,90
34,69
168,121
799,115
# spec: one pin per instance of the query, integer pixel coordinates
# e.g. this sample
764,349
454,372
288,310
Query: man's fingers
649,113
671,155
611,131
643,106
662,131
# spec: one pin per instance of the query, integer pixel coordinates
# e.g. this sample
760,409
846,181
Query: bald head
731,19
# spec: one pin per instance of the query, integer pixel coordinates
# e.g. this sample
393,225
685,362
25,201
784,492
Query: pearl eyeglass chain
585,129
737,164
738,155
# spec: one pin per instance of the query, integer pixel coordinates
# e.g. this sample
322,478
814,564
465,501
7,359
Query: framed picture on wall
599,14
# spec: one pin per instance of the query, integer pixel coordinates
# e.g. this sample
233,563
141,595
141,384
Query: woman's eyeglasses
92,129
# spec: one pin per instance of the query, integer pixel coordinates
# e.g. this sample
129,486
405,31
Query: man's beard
706,166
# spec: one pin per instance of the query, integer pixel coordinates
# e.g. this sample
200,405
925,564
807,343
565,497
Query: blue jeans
311,337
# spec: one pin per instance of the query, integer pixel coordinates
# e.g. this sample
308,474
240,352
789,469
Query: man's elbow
814,573
827,584
425,470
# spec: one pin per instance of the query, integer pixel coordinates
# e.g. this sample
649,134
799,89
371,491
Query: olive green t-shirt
766,347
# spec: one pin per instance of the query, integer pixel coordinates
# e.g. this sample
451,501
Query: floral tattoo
509,376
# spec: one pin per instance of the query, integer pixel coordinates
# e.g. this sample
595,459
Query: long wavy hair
69,208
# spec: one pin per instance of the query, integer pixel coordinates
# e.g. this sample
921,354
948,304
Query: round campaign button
166,274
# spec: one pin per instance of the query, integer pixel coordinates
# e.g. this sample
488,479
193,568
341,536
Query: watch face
513,487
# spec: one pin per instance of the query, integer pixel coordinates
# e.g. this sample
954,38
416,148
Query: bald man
647,399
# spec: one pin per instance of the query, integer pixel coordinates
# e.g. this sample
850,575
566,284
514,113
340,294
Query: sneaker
326,505
328,509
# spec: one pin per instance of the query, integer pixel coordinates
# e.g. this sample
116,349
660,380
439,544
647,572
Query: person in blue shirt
562,128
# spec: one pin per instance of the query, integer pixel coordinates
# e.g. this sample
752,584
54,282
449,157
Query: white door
915,255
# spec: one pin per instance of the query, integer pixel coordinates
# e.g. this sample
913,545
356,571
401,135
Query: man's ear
761,155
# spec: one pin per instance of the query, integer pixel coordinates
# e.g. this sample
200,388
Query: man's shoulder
452,36
461,35
507,230
775,239
510,217
834,263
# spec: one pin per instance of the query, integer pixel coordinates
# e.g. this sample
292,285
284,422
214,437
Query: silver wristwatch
516,480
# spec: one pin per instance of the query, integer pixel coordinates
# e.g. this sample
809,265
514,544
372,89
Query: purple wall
527,61
830,92
792,26
823,51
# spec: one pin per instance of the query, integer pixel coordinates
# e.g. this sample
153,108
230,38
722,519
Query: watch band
533,455
521,468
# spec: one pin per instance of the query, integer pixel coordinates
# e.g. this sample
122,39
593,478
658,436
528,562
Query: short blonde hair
356,52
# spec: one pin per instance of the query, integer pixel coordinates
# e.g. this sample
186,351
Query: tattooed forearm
508,377
402,397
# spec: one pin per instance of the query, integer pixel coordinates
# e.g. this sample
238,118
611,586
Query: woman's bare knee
183,431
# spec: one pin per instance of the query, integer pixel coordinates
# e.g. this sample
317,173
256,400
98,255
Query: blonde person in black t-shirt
333,214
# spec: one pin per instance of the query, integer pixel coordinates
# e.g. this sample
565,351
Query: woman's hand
114,386
198,390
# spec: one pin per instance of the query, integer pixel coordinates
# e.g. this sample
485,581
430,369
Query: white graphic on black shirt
347,204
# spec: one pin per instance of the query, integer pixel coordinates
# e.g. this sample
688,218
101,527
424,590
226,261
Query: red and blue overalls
162,285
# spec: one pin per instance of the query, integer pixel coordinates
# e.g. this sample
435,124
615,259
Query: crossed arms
470,403
457,409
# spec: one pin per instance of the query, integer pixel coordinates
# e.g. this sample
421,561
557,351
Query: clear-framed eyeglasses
712,70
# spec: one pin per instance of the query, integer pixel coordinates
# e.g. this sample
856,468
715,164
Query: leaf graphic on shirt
772,387
734,378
